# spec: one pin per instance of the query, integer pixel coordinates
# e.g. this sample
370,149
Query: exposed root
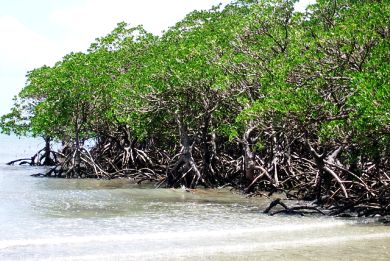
296,167
295,210
38,159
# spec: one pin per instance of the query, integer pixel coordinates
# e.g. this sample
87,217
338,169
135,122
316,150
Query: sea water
88,219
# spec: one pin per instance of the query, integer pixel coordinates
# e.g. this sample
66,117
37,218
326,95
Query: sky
40,32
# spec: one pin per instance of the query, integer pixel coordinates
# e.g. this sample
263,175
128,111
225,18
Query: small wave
225,249
168,235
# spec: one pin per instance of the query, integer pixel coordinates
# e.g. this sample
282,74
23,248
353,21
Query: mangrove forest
254,95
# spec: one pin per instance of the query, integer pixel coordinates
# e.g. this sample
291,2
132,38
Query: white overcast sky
38,32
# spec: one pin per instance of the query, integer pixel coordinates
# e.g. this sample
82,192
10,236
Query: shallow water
59,219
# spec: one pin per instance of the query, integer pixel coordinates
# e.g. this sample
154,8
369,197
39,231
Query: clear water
59,219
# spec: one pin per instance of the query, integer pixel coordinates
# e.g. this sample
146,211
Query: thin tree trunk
207,154
249,162
77,156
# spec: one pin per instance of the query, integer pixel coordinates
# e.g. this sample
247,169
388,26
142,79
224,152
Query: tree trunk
48,161
319,160
185,170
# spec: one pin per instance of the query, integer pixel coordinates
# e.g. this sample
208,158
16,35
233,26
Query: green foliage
16,121
258,63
